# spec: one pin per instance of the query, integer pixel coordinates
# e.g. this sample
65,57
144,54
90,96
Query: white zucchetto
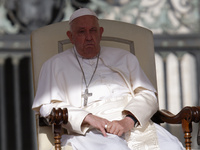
82,12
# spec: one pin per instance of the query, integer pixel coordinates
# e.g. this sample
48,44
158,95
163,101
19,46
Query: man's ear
69,34
101,31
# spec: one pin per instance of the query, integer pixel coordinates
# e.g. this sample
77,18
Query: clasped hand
117,127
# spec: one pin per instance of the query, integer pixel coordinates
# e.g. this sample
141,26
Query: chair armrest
56,118
185,117
190,114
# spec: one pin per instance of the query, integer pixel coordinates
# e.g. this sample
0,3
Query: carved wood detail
56,119
185,117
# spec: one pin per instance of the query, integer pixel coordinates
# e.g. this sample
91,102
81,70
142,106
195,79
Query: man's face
86,34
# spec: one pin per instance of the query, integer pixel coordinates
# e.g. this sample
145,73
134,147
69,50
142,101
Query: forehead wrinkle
81,21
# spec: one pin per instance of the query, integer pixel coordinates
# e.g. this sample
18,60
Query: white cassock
119,84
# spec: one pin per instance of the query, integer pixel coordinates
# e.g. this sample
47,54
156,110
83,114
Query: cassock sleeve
143,106
51,94
48,88
144,102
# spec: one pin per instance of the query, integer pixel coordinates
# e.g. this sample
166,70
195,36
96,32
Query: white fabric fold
61,82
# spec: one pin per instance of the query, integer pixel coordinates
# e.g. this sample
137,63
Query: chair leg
57,136
198,136
187,129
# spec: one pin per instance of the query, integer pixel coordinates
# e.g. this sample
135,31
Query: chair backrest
50,40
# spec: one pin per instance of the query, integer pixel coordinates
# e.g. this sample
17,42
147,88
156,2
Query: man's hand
121,126
96,122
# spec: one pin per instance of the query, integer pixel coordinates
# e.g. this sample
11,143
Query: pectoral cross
85,95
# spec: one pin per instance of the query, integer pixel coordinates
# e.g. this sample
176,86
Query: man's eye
93,30
81,31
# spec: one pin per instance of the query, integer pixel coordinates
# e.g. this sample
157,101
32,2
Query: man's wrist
134,119
87,119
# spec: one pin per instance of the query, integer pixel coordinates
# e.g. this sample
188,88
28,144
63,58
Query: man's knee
117,146
173,145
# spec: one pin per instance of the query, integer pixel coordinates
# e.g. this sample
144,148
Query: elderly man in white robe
110,100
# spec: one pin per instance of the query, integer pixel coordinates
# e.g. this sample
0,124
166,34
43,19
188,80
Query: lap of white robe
94,140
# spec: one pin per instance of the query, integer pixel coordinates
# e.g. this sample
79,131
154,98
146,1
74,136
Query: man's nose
88,36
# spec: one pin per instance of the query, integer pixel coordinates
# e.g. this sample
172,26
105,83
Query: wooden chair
50,40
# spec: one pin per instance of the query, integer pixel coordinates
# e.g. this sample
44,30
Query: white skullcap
82,12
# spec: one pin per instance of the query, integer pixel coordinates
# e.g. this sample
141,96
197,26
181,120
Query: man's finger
103,132
108,127
120,133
